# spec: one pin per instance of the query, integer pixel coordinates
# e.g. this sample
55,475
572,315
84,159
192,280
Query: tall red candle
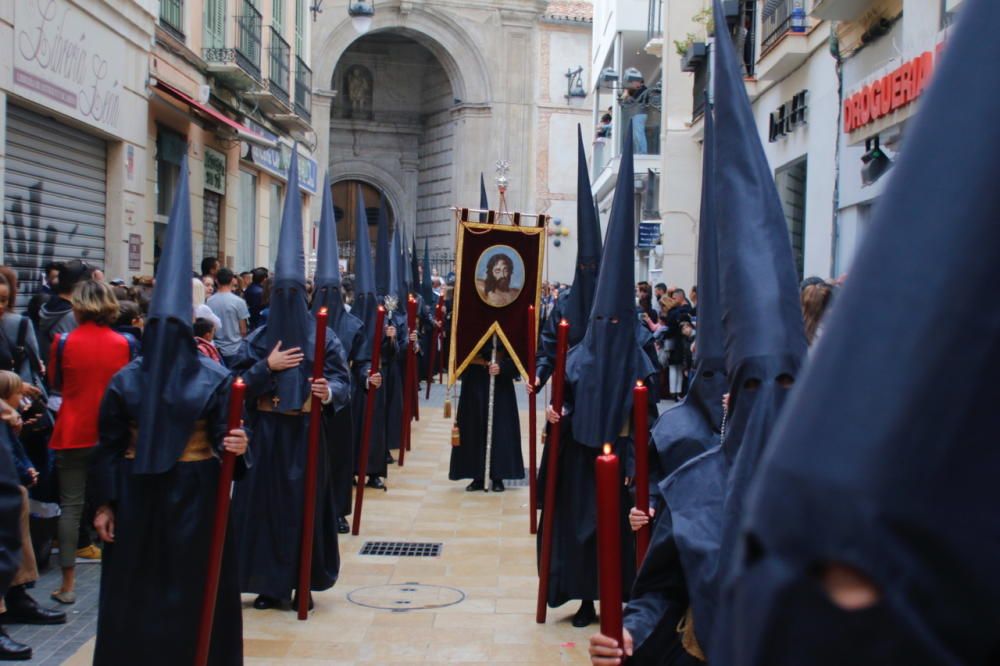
640,418
609,547
222,500
312,465
552,472
532,427
366,431
411,325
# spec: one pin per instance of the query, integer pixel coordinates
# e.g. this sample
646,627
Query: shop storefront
70,183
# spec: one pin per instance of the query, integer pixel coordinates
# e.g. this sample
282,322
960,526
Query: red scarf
208,349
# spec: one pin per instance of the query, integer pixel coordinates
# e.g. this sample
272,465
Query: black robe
573,573
339,424
468,460
268,504
388,418
153,574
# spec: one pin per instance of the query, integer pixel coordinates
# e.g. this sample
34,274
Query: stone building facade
434,94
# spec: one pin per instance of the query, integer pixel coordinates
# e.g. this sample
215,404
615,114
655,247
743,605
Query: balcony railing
279,64
779,20
654,25
303,89
172,17
248,38
701,77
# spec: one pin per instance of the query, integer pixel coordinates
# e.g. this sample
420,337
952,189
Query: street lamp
362,12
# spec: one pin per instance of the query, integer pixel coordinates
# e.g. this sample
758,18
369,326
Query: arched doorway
391,125
345,207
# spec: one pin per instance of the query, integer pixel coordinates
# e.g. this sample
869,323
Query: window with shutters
278,15
274,224
215,24
300,28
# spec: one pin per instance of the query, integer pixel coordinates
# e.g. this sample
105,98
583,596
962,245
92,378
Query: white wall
817,139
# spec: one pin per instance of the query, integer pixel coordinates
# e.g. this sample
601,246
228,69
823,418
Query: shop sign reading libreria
68,62
888,94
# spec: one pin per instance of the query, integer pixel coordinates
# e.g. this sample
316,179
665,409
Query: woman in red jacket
81,364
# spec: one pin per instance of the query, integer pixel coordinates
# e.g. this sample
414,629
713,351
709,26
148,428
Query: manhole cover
401,549
403,597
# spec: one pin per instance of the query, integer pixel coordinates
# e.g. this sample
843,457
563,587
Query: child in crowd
204,333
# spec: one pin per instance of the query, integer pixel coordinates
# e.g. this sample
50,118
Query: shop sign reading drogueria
67,61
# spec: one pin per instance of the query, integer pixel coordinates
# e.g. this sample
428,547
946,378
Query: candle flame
381,308
239,381
607,449
563,322
639,383
322,311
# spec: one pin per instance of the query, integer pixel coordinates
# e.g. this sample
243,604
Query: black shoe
476,484
264,602
295,601
11,650
497,486
375,482
586,615
22,609
342,526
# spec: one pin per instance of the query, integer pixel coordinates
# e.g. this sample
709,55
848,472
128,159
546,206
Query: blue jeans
639,134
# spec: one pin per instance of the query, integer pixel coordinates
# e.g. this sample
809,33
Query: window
246,230
215,24
172,17
791,182
170,148
300,28
274,229
278,15
949,9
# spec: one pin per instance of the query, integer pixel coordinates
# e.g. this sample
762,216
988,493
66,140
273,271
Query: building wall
119,34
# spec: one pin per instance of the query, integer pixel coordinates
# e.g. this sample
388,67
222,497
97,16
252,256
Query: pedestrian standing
233,313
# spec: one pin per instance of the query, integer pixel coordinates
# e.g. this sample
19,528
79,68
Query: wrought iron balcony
279,64
239,65
779,18
303,89
172,17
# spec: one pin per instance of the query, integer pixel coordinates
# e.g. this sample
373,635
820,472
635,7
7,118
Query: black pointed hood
383,253
484,202
693,426
415,285
606,364
289,320
397,269
174,388
327,281
872,464
365,301
576,308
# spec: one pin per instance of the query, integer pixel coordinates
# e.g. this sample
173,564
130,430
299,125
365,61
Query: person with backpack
56,315
82,364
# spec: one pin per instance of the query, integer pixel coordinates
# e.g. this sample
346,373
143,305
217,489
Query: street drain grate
517,483
401,549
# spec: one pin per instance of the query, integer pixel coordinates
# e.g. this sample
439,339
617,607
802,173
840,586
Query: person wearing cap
56,315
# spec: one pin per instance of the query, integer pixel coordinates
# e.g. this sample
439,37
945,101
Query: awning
211,114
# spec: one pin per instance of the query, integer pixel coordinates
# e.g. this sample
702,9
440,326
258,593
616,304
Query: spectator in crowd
18,331
604,127
254,295
815,298
637,94
204,333
50,277
210,286
246,277
17,605
694,300
232,312
659,291
210,268
678,295
202,311
129,323
82,364
56,315
645,304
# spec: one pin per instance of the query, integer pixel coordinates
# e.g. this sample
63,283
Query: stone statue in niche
358,83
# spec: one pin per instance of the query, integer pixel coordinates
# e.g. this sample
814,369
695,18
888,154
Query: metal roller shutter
55,191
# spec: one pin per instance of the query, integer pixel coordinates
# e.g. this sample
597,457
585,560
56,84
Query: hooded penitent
427,285
365,298
484,202
416,287
383,253
609,359
693,426
872,466
175,390
289,320
575,306
326,289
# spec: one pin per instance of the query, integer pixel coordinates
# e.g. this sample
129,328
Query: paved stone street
474,603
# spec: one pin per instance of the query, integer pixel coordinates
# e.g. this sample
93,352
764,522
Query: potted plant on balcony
692,55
